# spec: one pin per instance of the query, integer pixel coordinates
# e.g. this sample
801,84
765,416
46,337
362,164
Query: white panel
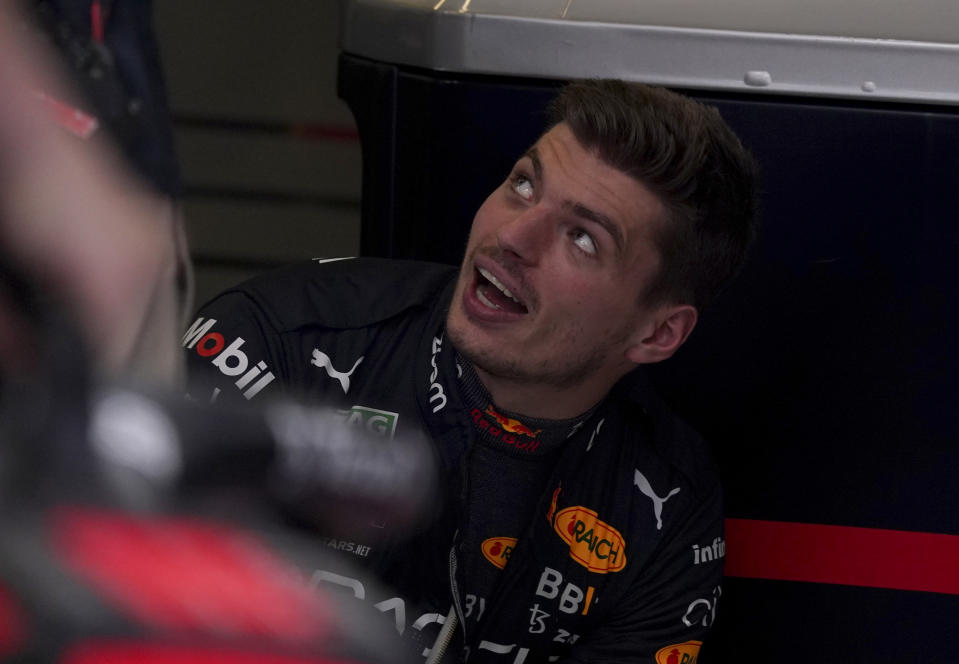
718,59
916,20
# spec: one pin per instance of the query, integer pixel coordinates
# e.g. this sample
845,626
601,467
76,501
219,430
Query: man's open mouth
493,294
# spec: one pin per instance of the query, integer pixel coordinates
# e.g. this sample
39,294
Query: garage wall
270,156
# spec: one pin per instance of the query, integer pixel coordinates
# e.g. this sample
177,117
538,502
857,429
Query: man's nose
527,235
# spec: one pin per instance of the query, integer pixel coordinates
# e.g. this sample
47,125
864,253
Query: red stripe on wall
897,559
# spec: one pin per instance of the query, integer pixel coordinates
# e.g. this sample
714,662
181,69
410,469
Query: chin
464,339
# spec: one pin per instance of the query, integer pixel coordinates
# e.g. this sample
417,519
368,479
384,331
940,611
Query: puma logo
644,488
321,359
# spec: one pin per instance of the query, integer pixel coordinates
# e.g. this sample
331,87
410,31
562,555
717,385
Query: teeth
493,280
485,300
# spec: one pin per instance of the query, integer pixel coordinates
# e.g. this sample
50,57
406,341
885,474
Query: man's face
549,290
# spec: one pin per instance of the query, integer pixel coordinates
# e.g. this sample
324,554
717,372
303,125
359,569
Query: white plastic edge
769,63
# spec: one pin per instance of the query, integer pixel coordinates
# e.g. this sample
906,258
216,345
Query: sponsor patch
436,391
511,425
680,653
594,544
378,422
229,359
361,550
322,360
498,549
709,552
517,441
646,489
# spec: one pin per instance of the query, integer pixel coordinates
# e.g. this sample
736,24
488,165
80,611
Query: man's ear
664,334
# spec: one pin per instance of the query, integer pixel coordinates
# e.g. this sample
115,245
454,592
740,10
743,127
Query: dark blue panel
801,623
824,379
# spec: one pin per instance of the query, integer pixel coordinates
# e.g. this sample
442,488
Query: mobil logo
228,358
679,653
594,544
498,549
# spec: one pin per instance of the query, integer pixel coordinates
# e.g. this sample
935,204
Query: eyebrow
579,209
533,155
608,224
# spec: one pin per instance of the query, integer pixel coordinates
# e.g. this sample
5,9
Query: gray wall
270,158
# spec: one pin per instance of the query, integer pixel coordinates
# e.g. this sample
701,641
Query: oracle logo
498,549
593,543
679,653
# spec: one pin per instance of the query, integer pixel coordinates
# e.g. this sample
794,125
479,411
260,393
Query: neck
541,400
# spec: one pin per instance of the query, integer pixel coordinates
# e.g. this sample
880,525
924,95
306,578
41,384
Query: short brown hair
687,155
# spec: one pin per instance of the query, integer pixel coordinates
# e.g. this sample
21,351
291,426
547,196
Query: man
579,520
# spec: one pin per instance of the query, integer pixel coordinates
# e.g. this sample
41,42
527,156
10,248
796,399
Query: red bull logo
681,653
511,425
518,441
594,544
498,549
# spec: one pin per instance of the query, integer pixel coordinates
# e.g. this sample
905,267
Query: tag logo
378,422
322,360
681,653
498,549
644,488
594,544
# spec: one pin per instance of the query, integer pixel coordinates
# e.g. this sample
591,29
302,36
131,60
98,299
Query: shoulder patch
675,442
346,294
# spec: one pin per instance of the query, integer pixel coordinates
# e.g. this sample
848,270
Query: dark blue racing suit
622,557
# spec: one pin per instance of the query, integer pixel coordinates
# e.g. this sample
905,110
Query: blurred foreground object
99,564
110,50
97,561
90,235
83,578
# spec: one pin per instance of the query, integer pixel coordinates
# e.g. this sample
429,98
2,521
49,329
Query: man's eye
523,187
584,241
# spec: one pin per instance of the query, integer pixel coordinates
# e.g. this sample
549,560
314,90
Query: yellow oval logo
595,545
498,549
681,653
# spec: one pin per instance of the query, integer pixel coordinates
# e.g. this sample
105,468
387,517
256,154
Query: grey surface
919,20
900,56
259,192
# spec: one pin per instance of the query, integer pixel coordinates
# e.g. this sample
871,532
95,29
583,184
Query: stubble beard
555,372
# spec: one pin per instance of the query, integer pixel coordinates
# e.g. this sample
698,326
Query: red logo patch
498,549
593,543
511,425
680,653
